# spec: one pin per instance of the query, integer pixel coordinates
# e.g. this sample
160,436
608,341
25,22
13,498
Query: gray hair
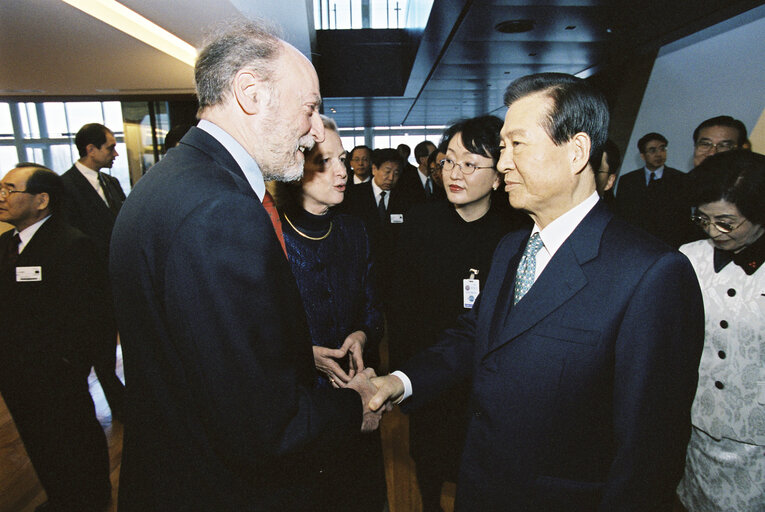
237,45
328,122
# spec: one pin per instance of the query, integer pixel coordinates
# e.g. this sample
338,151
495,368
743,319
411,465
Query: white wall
718,71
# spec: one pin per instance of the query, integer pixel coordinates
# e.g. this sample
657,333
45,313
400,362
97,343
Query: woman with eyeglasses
725,461
330,257
444,255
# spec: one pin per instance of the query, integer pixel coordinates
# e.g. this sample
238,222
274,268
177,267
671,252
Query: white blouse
730,398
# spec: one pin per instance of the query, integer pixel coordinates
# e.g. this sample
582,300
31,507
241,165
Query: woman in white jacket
725,462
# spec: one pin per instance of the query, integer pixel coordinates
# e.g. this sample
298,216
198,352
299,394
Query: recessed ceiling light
514,26
133,24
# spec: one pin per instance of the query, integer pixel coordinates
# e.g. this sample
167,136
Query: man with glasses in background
652,197
718,134
361,165
52,288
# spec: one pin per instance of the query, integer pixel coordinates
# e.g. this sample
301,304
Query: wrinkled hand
362,384
389,389
354,346
325,360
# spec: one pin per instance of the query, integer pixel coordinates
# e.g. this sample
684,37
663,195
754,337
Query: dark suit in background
48,332
581,392
660,208
383,233
222,412
87,211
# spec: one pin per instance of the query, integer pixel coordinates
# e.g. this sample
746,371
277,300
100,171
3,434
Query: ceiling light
133,24
514,26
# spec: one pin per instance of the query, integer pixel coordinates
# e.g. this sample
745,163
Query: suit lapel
89,193
561,279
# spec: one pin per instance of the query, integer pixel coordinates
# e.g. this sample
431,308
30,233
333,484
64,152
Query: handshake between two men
377,394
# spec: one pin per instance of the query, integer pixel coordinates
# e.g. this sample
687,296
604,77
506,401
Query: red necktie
268,204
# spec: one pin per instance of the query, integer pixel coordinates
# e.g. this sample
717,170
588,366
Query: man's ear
579,151
610,182
42,201
251,93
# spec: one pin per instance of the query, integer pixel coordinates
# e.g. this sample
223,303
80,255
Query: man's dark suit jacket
383,235
411,185
87,211
661,209
581,393
48,330
221,410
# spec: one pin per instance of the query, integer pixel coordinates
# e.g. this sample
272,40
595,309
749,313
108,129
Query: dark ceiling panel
462,64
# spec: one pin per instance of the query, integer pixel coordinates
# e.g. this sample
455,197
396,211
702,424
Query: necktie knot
524,277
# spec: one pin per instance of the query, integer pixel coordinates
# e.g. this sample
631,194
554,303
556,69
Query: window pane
29,126
35,155
113,116
8,158
55,118
82,113
63,156
120,169
6,126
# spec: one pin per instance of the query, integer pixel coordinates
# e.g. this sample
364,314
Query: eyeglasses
467,168
5,192
721,226
706,146
654,150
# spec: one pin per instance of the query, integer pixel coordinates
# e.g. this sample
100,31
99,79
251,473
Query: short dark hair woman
444,247
725,461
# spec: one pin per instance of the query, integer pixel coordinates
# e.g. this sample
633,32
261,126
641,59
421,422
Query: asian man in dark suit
382,204
93,200
222,412
52,289
653,198
583,348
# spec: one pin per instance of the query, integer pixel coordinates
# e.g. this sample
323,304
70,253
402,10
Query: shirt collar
85,170
248,164
377,191
423,177
658,172
27,233
555,233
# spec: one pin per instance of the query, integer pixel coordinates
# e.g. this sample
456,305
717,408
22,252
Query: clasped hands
377,395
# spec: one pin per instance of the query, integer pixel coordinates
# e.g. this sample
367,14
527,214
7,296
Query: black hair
736,176
422,150
175,134
576,107
613,158
728,121
92,133
380,156
44,180
480,135
648,137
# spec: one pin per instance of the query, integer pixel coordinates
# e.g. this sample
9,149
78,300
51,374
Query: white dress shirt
27,233
377,191
92,177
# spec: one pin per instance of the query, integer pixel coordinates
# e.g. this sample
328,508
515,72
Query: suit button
721,354
719,385
477,413
723,324
731,292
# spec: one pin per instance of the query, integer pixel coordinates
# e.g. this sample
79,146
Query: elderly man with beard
221,409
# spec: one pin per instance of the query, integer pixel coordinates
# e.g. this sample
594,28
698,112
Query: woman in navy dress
330,257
